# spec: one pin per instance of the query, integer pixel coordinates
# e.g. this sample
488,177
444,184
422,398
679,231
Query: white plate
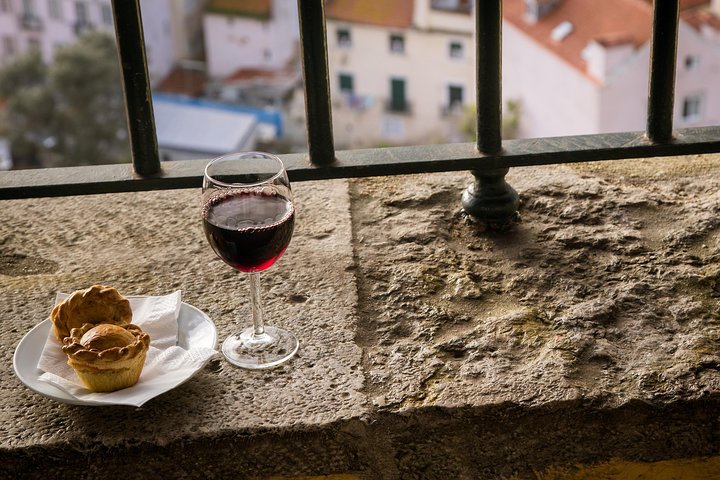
195,329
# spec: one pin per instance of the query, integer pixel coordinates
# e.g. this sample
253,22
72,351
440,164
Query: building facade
47,25
581,66
171,28
240,35
400,72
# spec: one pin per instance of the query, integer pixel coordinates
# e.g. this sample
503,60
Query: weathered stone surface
152,243
605,290
430,348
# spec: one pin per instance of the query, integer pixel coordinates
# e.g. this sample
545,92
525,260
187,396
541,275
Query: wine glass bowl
248,218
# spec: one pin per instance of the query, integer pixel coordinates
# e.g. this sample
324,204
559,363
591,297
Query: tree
28,112
70,112
510,120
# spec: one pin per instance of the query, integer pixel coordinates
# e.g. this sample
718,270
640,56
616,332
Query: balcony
83,26
351,101
578,339
31,22
456,109
586,336
403,107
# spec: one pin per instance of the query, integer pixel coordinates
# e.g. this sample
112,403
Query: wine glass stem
256,304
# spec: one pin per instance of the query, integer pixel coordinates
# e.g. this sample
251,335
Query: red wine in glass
249,229
248,217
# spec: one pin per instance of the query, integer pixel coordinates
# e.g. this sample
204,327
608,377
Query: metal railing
489,158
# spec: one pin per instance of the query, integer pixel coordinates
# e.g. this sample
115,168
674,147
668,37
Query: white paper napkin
166,366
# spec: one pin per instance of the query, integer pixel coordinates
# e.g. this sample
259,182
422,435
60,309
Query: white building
173,33
252,58
6,162
581,66
171,27
261,34
399,71
48,24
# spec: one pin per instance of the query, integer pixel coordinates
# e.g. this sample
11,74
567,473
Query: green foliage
510,120
70,112
26,70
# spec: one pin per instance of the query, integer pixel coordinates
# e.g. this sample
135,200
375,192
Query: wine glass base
272,348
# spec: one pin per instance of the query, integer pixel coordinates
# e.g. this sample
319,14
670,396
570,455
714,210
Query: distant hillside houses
172,28
581,66
400,71
403,71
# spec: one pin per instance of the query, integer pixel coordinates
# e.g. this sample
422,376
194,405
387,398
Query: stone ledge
430,349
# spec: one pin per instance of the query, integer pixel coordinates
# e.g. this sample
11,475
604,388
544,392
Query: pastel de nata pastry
107,357
94,305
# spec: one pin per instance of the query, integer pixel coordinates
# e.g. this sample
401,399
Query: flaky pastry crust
94,305
113,356
107,357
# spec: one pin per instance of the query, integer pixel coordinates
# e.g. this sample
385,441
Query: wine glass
248,217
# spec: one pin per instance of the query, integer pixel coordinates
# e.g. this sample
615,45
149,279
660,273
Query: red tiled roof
624,21
183,81
384,13
250,8
698,18
251,74
614,39
687,4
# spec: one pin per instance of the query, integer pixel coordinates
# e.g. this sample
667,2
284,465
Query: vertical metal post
663,56
490,199
136,86
488,18
313,39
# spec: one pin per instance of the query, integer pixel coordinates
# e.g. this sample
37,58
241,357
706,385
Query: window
455,96
34,44
398,103
692,62
107,15
455,6
28,7
456,50
346,83
692,108
397,43
8,45
81,12
55,9
343,37
562,31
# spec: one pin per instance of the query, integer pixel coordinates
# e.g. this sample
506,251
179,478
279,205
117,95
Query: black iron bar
489,198
51,182
488,19
317,89
663,55
136,86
